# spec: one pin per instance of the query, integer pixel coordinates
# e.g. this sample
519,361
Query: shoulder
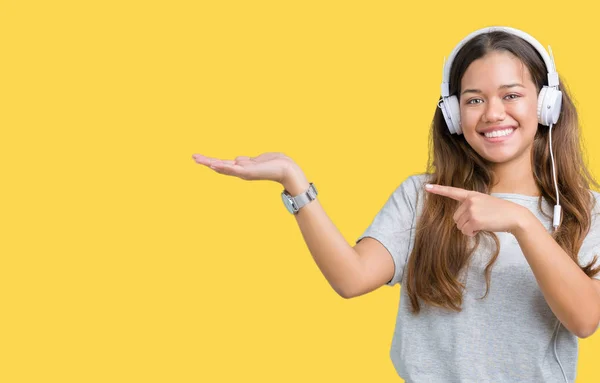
596,197
593,235
412,185
411,190
595,209
415,182
591,243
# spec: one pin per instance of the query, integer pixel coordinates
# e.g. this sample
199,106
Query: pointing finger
448,191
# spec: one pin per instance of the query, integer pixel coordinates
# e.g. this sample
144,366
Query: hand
479,211
267,166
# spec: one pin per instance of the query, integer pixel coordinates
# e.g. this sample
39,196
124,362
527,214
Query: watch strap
303,198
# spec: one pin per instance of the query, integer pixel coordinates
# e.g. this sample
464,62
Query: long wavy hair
434,267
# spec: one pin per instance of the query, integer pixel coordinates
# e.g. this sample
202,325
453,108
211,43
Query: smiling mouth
499,135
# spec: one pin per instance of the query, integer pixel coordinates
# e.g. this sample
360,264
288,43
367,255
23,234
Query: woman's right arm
351,271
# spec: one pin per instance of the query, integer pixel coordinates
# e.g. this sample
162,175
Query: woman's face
498,94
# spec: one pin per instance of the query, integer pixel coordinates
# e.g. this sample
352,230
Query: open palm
272,166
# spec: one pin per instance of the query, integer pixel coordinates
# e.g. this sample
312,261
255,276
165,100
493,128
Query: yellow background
122,260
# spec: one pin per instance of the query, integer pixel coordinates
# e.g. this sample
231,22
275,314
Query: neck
515,177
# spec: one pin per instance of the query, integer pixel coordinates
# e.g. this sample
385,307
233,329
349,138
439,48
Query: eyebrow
501,87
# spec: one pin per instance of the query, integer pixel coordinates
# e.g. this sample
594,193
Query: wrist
295,182
524,224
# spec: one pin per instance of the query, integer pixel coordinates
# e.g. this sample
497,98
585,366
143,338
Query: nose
494,110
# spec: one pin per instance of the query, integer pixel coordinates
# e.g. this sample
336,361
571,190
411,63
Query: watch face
287,202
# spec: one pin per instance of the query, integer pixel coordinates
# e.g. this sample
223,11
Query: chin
499,158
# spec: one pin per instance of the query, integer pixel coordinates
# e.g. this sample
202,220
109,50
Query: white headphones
549,99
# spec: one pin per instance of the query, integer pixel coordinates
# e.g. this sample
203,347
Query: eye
511,96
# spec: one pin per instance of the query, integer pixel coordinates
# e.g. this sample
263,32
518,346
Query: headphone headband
548,59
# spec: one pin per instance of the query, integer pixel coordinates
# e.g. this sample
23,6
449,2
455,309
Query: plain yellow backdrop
122,260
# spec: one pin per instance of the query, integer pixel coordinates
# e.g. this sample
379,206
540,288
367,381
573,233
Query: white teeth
499,133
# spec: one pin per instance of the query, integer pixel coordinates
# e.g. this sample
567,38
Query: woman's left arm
571,294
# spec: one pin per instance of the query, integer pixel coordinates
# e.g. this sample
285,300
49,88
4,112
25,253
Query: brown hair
433,268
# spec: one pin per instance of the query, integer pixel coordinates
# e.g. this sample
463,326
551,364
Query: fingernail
428,186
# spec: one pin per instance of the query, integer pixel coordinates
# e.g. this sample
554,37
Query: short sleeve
394,223
591,243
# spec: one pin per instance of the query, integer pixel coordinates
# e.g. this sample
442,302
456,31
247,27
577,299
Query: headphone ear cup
443,105
455,110
549,105
451,112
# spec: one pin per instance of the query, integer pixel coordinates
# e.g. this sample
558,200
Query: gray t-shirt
506,337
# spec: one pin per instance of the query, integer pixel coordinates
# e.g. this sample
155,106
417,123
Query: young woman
495,245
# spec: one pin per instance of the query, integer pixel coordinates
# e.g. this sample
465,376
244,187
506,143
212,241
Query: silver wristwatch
293,204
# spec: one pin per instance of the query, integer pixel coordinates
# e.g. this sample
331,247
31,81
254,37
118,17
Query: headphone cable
556,355
557,207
